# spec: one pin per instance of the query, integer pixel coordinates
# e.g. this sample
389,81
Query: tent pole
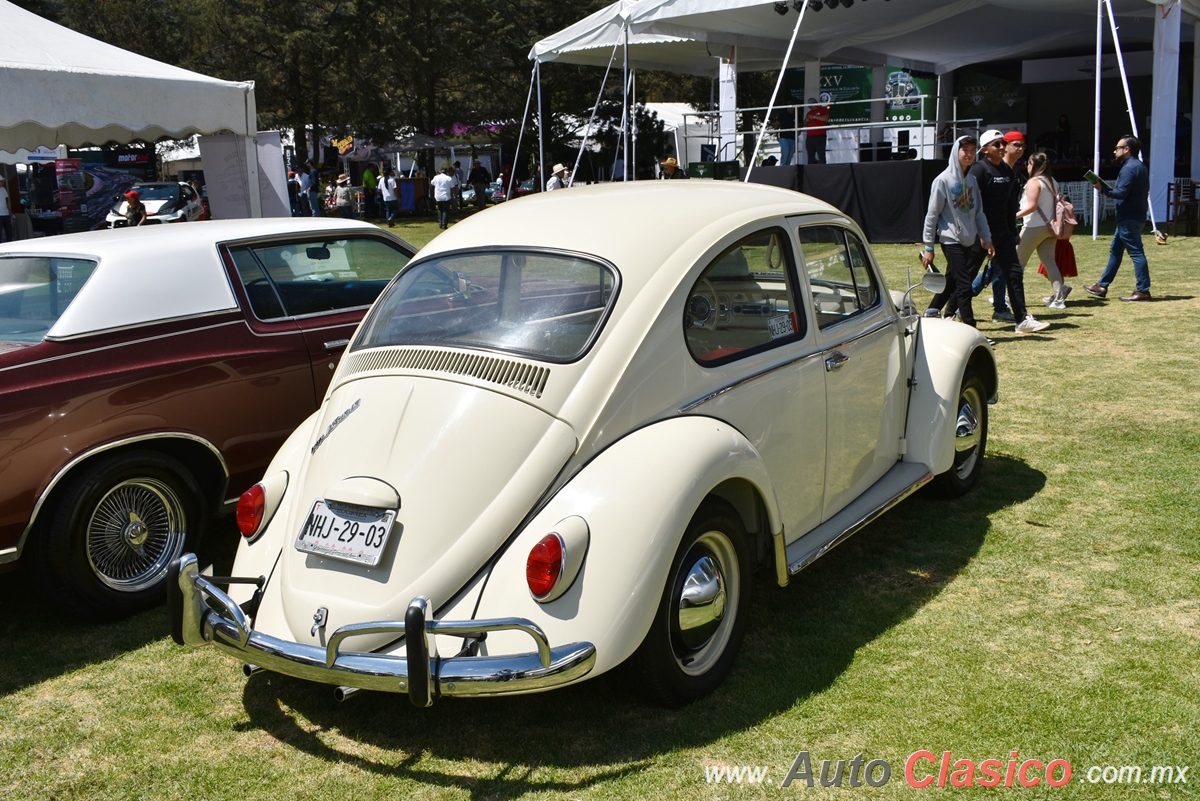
1096,148
787,57
520,134
587,132
251,145
633,128
1112,23
541,168
625,102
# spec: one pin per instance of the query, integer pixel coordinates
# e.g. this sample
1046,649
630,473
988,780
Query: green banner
996,101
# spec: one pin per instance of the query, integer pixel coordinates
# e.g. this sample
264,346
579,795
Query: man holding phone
1132,196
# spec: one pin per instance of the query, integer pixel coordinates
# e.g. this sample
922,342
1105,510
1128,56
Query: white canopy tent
63,88
930,35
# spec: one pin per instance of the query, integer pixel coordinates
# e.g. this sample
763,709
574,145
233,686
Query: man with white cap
998,191
559,178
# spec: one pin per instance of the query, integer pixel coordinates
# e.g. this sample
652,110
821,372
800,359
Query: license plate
352,533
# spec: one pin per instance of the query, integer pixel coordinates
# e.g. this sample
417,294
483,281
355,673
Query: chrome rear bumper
202,614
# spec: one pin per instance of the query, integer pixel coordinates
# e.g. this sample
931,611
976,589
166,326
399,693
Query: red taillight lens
251,508
544,565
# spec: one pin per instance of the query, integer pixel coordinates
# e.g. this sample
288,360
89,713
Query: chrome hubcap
706,603
967,433
134,533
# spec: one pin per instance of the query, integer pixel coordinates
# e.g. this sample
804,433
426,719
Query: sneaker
1066,290
1057,304
1031,326
1003,317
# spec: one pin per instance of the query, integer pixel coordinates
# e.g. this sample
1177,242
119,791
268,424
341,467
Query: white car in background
165,202
569,432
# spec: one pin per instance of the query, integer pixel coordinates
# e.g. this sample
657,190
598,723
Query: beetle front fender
637,498
945,350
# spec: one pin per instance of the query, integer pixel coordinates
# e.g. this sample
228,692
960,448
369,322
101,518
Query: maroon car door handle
336,345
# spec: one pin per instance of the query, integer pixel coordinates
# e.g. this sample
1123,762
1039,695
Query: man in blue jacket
1132,196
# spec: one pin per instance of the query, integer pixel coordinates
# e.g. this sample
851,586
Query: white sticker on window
781,326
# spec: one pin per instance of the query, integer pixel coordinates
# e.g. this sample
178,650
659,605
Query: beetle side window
314,277
742,303
839,274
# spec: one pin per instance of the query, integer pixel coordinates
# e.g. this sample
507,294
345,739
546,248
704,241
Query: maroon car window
35,291
545,305
316,277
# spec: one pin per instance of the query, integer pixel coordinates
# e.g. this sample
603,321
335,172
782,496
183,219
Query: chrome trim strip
861,523
163,321
237,321
92,452
9,555
815,354
448,676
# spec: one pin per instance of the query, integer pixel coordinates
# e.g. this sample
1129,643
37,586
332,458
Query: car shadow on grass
41,641
800,640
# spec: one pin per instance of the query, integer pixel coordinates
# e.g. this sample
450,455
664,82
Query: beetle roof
636,226
159,272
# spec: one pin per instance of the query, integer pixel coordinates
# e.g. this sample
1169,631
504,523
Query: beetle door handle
336,345
835,361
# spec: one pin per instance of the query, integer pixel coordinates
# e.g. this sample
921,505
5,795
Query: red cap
132,194
1014,136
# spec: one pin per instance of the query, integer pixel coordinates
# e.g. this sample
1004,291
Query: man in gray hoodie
955,219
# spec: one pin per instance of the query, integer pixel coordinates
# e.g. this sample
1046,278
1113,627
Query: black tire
683,659
970,438
115,529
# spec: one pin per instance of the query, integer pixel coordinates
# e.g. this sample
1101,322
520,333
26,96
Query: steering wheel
705,297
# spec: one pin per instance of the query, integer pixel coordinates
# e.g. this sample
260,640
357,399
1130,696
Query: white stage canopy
63,88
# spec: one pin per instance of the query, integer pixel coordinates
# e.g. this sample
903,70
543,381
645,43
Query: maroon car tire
115,529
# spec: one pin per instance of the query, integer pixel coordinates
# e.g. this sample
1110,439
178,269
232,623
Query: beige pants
1043,240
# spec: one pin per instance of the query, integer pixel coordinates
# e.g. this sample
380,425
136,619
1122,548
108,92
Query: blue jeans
787,151
1128,236
999,287
314,203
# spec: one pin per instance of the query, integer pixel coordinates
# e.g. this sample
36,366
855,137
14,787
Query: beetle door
863,364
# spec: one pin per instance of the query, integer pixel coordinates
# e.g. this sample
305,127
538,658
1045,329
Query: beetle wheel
970,438
701,617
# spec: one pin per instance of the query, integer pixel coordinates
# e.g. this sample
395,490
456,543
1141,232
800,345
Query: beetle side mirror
934,282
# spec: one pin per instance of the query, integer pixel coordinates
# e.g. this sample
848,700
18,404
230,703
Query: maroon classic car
147,377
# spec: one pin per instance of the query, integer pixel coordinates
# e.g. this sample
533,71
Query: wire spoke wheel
136,529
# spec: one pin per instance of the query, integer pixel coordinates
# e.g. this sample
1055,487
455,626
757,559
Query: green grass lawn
1053,612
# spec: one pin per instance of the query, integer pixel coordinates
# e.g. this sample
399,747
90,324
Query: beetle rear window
35,291
545,305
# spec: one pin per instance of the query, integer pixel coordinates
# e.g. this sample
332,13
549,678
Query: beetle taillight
251,509
544,566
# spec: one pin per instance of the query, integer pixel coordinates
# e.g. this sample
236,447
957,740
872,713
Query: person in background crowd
6,229
1014,151
294,193
1038,209
558,180
670,170
314,188
388,189
1132,196
1062,137
998,193
462,180
479,178
785,121
369,191
444,187
342,198
135,210
305,181
815,121
955,219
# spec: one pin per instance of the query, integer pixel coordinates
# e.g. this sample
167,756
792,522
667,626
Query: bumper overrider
202,614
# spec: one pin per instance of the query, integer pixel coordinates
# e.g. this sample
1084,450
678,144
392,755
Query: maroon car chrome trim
47,360
146,324
12,554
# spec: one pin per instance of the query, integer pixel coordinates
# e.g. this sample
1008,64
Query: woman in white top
1038,209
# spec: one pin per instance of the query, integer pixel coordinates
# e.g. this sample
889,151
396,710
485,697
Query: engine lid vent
529,379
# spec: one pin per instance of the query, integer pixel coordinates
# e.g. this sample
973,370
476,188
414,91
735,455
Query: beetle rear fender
637,498
945,350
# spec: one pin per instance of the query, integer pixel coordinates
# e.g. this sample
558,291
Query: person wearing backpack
1131,193
1041,194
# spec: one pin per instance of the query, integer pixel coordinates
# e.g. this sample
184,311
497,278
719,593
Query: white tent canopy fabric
61,87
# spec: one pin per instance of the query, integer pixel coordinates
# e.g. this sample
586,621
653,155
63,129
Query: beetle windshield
545,305
35,291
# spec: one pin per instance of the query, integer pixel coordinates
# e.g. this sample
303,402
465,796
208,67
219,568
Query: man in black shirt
999,192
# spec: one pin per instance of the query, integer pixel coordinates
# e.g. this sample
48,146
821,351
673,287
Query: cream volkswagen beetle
568,433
